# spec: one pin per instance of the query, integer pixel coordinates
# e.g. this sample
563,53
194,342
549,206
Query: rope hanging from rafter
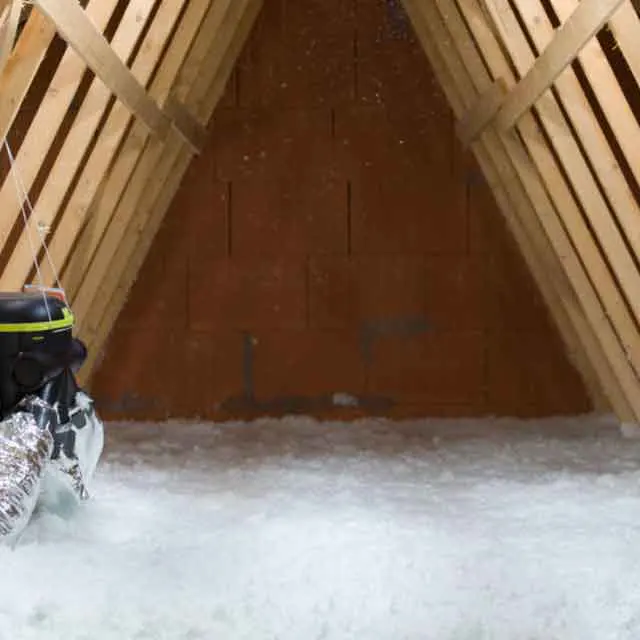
28,216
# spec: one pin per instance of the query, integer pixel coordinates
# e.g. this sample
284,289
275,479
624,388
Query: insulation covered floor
298,530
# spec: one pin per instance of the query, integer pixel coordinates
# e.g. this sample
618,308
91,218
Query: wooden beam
50,114
625,26
516,204
603,223
75,26
44,128
608,238
617,356
176,72
9,21
474,121
21,68
186,125
619,387
147,174
582,346
78,211
102,322
589,17
519,181
98,332
584,121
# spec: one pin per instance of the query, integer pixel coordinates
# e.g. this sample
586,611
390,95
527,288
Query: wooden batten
42,134
509,179
174,78
475,120
117,167
118,146
21,67
86,39
605,240
9,20
152,210
595,246
87,301
186,125
565,46
467,46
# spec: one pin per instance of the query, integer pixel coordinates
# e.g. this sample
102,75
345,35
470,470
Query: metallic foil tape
80,444
25,449
42,461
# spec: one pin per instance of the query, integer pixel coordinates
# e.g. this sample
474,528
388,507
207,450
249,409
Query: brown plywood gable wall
334,243
399,207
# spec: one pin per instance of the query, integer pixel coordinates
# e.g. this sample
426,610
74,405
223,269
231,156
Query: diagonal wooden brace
9,21
504,109
571,37
185,124
75,26
476,120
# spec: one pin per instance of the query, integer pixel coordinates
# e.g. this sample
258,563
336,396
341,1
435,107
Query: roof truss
142,116
555,176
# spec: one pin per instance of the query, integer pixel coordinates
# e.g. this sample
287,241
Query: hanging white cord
23,197
42,230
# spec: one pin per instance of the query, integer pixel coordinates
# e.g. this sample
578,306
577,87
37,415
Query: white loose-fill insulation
294,530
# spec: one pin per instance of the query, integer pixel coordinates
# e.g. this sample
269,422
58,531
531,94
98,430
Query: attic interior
342,209
358,281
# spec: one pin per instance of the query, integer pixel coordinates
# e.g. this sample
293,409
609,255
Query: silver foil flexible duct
25,449
45,462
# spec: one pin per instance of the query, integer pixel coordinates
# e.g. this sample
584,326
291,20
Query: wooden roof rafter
144,229
580,217
128,155
10,12
451,47
72,154
174,78
75,26
130,219
576,32
49,117
23,63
